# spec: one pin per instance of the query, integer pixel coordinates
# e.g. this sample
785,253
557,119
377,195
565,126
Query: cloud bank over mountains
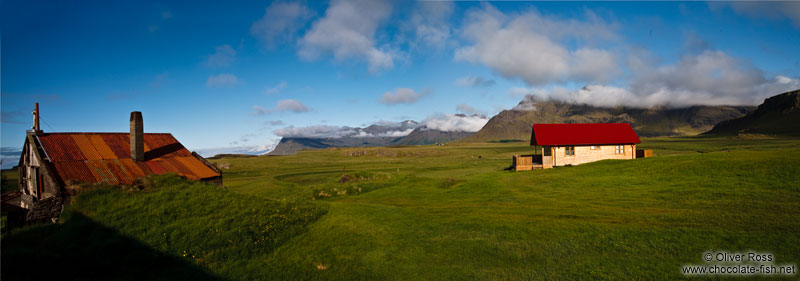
441,122
709,78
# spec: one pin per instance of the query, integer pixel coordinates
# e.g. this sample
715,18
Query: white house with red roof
573,144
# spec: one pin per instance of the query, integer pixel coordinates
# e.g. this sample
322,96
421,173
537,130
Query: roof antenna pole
36,117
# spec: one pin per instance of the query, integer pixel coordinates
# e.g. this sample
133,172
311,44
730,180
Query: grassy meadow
447,213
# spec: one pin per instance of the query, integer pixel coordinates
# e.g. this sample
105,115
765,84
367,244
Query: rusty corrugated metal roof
106,158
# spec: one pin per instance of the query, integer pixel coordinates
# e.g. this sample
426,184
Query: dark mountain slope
778,115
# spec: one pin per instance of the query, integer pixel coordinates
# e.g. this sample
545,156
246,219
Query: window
619,149
594,147
570,151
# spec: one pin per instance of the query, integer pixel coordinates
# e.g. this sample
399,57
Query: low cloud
455,122
9,156
402,95
225,80
224,56
317,131
474,81
347,31
611,96
379,129
277,89
707,78
280,23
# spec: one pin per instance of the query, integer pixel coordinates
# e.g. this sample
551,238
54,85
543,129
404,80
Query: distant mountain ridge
778,115
516,124
373,135
289,146
424,135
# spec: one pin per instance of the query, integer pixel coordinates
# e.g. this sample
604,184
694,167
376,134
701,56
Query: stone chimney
137,137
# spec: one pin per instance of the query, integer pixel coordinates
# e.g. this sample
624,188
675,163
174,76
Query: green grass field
453,213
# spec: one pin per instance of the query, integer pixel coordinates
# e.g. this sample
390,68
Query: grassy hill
452,213
173,230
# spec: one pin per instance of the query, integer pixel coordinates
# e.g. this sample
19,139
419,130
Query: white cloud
399,133
223,56
224,80
466,109
474,81
280,22
282,106
291,105
277,89
528,46
402,95
709,78
455,122
348,32
431,25
772,10
257,110
274,123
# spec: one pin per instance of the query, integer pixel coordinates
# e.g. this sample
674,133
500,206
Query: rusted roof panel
74,171
120,173
155,166
121,147
198,168
105,157
63,148
132,168
101,146
101,172
86,147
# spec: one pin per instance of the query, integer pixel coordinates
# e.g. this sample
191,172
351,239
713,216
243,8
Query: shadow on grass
82,249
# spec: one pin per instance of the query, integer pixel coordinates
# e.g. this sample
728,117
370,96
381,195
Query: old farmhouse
573,144
53,162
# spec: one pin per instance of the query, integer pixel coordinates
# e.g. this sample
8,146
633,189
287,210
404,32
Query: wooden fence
526,162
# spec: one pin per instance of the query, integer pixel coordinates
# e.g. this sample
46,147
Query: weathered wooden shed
52,162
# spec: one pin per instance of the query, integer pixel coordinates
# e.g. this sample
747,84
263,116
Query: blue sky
230,75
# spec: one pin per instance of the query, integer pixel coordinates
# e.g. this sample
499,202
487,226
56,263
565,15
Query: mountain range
778,115
386,134
515,124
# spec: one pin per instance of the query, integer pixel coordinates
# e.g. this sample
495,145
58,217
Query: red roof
583,134
106,157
